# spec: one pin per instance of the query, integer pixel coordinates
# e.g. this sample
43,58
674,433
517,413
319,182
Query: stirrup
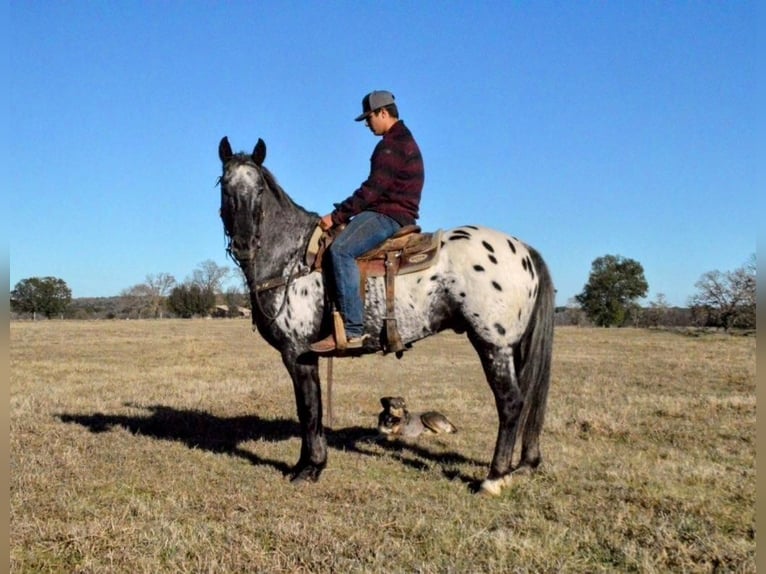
340,331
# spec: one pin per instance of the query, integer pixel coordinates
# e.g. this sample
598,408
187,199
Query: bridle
254,249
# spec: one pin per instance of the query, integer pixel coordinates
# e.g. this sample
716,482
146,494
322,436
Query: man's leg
365,231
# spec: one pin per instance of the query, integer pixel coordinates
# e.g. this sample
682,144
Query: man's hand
326,222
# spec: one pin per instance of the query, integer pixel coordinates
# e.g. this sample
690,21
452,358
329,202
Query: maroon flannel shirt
395,182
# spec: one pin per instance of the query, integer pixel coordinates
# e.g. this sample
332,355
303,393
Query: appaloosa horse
487,284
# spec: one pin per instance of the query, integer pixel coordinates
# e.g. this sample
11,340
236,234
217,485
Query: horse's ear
259,152
224,149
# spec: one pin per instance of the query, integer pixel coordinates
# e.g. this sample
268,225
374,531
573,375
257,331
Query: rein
273,283
279,281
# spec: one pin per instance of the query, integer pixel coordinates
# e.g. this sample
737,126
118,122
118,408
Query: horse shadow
201,430
412,453
194,428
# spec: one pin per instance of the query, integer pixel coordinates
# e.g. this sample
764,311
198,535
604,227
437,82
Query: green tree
190,299
47,295
614,286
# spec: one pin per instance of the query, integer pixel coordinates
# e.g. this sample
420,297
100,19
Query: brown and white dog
396,421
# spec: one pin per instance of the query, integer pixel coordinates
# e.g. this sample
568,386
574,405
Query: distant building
222,311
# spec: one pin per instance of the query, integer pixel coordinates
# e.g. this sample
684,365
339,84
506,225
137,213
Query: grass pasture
161,446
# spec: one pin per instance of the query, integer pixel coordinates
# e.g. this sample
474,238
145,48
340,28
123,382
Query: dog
396,421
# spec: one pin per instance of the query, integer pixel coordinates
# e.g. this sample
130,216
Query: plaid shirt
395,182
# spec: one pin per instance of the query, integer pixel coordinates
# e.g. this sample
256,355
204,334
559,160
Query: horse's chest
302,312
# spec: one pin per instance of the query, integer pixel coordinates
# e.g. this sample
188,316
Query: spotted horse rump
489,285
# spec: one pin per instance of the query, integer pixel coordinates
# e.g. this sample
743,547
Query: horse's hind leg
500,373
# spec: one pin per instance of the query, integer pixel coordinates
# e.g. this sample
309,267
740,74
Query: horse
484,283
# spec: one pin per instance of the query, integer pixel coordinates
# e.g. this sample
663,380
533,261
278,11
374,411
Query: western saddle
406,251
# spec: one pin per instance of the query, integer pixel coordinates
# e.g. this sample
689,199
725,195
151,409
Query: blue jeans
365,231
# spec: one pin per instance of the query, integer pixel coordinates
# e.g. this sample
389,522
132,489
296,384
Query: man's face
375,122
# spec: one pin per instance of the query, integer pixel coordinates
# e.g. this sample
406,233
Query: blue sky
582,128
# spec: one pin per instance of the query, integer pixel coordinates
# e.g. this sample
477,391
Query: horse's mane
273,184
280,194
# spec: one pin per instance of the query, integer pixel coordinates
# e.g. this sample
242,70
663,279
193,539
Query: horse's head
242,184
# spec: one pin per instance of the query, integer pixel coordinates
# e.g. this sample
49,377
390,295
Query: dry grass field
161,446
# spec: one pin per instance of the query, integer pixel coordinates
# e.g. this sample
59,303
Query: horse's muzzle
241,253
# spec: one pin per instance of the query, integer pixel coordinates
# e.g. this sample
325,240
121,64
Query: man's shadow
201,430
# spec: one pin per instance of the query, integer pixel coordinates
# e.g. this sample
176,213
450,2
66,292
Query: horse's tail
533,363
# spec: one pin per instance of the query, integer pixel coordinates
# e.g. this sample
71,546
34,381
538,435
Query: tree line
724,300
159,296
609,299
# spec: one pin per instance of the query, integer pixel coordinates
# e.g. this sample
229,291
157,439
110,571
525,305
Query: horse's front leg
304,371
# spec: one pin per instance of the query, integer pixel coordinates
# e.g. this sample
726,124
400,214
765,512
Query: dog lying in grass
396,421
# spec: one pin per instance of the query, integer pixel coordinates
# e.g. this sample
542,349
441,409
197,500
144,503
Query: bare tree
573,314
657,313
136,301
160,286
209,276
727,299
148,299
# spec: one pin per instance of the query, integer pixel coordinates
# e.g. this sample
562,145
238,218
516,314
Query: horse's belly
411,309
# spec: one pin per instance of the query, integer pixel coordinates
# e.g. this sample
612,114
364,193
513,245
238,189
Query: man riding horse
387,200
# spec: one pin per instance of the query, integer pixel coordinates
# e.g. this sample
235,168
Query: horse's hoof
305,475
525,469
494,486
